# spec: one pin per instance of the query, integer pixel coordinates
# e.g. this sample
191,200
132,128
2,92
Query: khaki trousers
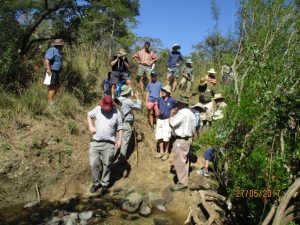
180,159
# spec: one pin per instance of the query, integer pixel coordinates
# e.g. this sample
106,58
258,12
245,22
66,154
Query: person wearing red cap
105,122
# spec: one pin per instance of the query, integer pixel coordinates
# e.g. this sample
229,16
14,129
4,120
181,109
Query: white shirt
183,123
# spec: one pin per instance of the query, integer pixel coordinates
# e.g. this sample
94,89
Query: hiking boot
165,157
159,155
103,191
203,172
94,188
178,187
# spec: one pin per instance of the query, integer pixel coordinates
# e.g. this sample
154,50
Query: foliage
262,126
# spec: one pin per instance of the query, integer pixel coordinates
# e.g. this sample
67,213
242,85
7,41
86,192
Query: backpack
106,87
118,87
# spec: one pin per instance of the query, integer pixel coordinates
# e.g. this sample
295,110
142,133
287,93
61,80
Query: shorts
152,105
117,76
209,154
144,71
163,130
54,77
174,72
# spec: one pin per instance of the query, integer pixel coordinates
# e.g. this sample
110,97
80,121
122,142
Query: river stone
86,215
73,216
132,202
155,199
71,222
145,210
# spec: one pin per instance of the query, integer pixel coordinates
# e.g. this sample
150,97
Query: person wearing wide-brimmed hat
187,73
211,76
166,109
146,59
198,109
173,65
127,107
183,125
219,106
119,70
53,65
105,123
207,92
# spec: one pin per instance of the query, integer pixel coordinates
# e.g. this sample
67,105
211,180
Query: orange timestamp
254,193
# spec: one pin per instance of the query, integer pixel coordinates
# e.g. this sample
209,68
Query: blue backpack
118,87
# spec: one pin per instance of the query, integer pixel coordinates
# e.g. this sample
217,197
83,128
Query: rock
159,221
71,222
31,204
132,202
161,207
54,221
73,216
86,215
83,222
145,210
156,199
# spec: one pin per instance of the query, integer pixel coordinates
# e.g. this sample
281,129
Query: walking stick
136,146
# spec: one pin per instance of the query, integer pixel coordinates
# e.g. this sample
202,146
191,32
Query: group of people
168,117
111,122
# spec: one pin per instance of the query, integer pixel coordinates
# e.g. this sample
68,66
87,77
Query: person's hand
119,143
48,72
177,65
93,130
168,69
137,95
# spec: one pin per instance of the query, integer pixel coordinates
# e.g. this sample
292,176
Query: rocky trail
52,174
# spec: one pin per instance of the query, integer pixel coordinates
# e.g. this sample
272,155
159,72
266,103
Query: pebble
86,215
132,202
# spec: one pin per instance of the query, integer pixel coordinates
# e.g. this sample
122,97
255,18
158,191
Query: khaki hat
58,42
125,89
199,105
184,99
122,51
166,88
212,70
218,96
202,81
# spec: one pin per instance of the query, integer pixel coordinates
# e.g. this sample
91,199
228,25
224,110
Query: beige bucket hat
211,70
167,88
122,51
125,89
58,42
218,96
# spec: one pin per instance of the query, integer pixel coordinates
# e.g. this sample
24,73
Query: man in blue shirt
174,60
167,107
152,95
53,64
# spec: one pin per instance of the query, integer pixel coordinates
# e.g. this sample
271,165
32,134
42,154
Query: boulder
132,202
86,215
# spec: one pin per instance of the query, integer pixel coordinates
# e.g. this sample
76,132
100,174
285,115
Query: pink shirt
145,58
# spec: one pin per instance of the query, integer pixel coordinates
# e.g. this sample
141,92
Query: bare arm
48,67
91,124
120,136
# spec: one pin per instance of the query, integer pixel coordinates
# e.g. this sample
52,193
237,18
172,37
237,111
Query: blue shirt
154,91
197,118
165,107
173,59
54,56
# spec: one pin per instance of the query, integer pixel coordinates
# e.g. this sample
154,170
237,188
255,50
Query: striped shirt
107,124
145,58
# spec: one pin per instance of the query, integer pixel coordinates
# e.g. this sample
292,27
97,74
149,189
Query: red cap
107,104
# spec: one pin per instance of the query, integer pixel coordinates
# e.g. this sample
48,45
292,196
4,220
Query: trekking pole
136,146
